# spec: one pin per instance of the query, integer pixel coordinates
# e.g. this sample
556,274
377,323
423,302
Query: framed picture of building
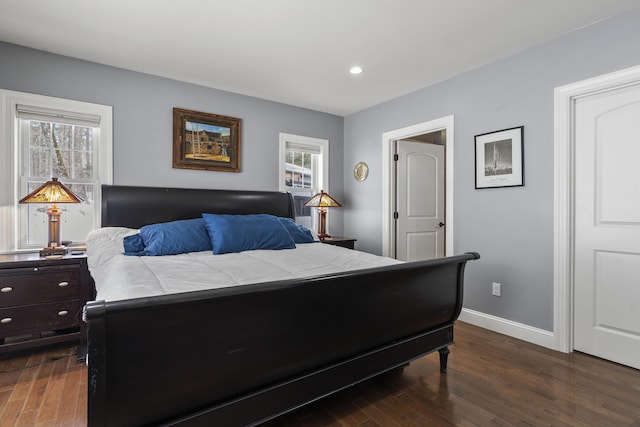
499,158
205,141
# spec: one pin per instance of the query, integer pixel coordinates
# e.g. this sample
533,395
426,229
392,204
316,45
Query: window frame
322,170
10,155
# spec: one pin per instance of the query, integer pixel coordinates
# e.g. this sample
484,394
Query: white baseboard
509,327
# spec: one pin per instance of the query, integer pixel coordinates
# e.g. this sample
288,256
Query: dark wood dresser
41,300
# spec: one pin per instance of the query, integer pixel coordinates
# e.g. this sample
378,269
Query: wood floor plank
39,387
81,409
51,401
10,413
53,393
342,408
492,380
68,407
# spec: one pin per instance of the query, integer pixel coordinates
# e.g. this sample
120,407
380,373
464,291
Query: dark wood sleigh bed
243,355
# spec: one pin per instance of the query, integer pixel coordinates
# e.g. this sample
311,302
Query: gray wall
142,122
512,228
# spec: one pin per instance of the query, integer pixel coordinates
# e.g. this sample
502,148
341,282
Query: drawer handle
63,284
6,320
63,313
6,289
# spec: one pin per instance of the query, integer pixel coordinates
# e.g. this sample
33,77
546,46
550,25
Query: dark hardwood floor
492,380
43,388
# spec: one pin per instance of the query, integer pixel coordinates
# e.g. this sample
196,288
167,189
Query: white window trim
322,144
9,154
323,172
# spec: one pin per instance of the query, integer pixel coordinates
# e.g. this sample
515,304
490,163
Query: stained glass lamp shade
322,201
52,192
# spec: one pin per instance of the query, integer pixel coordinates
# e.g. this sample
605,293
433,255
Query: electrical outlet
496,289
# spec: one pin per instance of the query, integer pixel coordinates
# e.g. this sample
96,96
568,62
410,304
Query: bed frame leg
444,355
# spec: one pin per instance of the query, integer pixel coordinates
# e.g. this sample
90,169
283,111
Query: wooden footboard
243,355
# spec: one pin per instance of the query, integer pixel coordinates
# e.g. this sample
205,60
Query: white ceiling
298,51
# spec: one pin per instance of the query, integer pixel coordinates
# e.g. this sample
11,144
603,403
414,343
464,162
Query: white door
420,232
607,225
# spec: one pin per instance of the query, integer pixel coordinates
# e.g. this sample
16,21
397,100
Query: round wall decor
361,171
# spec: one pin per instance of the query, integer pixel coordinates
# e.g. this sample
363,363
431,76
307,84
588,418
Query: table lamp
322,201
52,192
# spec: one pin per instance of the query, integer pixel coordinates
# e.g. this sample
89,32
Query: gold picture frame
205,141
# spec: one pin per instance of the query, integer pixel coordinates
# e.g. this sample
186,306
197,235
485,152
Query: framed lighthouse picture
500,158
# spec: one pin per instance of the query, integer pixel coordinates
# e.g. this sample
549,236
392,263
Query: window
304,170
46,137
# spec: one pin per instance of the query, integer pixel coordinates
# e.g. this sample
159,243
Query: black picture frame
499,158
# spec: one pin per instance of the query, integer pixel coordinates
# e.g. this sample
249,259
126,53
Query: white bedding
120,277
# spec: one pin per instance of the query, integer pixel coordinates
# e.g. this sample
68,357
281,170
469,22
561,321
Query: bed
242,355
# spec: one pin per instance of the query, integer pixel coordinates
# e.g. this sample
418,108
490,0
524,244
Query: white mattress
119,277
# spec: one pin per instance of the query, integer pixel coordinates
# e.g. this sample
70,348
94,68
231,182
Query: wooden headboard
134,207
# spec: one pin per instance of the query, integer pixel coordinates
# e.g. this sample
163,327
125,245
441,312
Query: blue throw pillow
133,245
176,237
298,232
237,233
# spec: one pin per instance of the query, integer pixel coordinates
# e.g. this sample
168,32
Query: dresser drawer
36,318
37,287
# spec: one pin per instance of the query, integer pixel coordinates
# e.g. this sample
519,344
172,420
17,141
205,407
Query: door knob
441,224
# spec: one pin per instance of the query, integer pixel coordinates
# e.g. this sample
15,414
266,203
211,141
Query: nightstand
41,300
345,242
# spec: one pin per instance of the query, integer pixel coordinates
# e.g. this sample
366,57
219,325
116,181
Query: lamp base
50,250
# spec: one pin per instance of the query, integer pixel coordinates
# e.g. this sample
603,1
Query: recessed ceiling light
355,70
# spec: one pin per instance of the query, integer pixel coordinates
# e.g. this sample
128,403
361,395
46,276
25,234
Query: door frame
388,187
564,157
